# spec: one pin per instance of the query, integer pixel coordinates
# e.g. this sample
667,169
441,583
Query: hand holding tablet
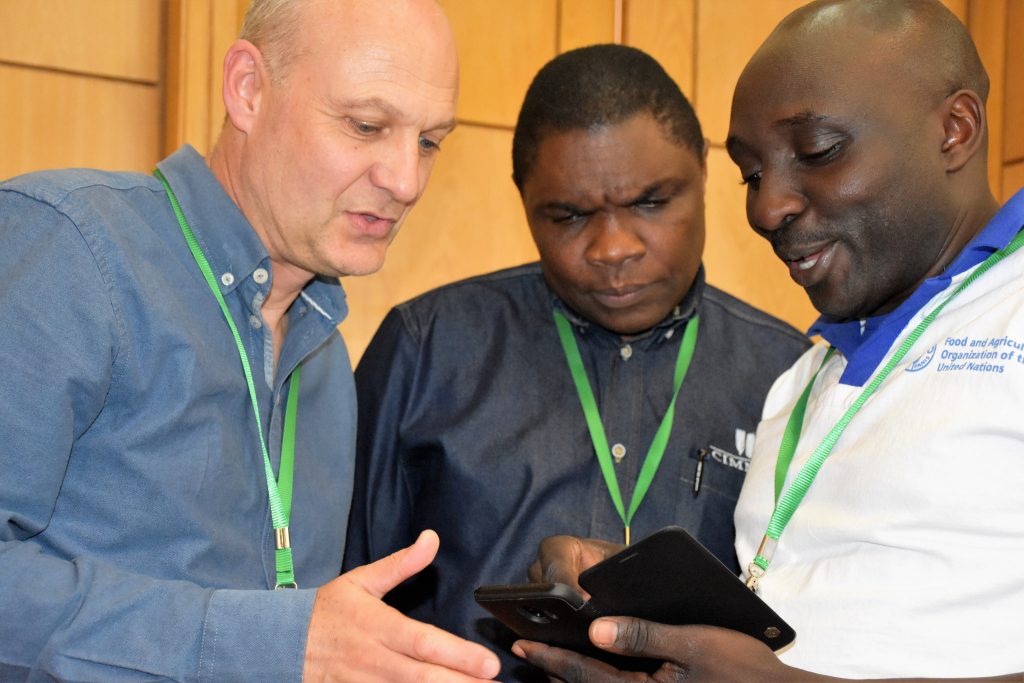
667,577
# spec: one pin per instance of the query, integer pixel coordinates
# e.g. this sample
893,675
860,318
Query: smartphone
667,577
546,612
555,614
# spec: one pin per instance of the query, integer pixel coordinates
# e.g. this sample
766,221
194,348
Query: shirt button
618,452
227,279
260,275
255,321
626,352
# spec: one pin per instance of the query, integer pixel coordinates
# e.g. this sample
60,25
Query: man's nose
399,170
775,203
614,241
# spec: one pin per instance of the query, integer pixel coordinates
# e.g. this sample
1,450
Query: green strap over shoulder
279,492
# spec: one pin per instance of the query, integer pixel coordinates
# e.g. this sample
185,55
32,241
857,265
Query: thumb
641,638
377,578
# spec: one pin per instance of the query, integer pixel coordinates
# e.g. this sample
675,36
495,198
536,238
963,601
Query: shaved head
276,26
920,37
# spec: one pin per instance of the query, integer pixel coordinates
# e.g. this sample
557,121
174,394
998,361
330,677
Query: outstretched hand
353,635
689,653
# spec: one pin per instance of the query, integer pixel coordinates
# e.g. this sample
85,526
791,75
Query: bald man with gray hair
170,509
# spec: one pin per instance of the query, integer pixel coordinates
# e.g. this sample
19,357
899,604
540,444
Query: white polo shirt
906,557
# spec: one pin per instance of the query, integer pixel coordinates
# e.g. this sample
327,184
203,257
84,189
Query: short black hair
595,86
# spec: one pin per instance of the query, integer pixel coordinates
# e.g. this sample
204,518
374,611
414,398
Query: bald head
279,28
921,39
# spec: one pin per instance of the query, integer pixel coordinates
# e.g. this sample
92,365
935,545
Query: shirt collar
228,240
865,343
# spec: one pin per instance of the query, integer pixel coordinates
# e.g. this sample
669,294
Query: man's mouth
372,224
806,262
620,296
810,267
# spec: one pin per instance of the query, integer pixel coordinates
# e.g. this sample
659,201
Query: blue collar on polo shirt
865,343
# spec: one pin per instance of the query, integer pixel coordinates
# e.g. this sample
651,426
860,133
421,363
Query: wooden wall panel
199,33
729,33
586,22
189,68
501,47
469,221
56,120
988,29
665,30
737,259
1013,136
1013,179
116,38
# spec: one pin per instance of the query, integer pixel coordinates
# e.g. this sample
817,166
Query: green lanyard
593,417
794,495
279,490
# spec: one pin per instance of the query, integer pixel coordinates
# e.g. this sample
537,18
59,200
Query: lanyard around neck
279,491
794,494
593,417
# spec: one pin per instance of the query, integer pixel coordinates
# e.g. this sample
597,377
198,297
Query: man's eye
752,181
822,156
364,128
649,203
427,145
568,217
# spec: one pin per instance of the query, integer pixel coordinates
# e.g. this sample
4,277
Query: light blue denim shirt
135,537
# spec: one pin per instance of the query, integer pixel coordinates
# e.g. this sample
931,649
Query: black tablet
667,577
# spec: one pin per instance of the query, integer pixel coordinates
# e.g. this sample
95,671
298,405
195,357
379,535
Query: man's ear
244,79
964,129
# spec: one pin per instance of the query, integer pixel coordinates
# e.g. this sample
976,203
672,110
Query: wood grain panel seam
623,22
78,74
618,31
695,51
484,124
559,10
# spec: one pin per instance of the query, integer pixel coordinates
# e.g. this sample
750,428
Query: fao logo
922,362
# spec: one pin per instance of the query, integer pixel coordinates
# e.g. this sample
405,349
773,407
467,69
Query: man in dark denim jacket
470,422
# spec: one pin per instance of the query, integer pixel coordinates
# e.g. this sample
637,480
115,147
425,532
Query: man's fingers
536,572
571,667
377,578
642,638
561,559
410,670
427,643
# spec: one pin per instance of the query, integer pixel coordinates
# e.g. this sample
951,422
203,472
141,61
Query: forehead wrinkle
363,103
619,194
